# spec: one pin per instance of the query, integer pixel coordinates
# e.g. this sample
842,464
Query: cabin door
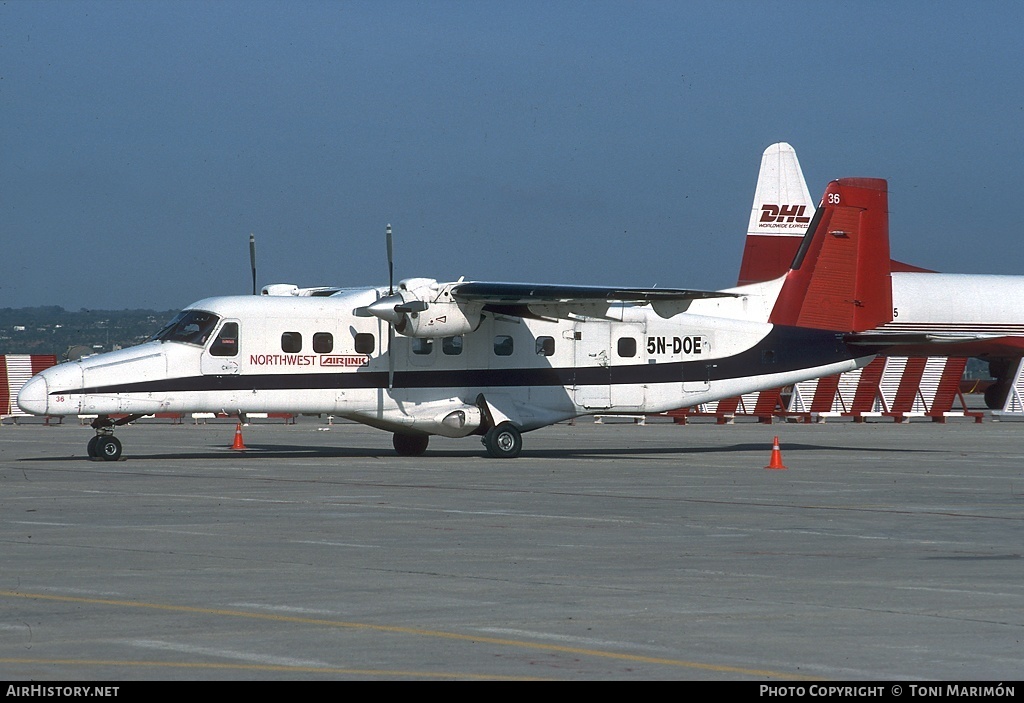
592,386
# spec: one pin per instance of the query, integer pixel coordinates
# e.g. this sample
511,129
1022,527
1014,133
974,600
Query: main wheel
108,448
995,395
90,448
410,444
503,441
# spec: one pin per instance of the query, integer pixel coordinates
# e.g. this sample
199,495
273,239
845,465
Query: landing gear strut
1003,371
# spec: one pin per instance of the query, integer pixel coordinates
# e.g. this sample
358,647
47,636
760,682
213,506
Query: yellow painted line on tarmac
265,667
436,634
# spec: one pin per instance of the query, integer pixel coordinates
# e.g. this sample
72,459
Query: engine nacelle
423,308
438,320
457,423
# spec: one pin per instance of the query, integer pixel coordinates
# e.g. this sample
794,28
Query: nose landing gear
105,445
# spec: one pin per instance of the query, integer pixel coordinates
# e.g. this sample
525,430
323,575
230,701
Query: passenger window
291,342
365,343
323,342
422,346
452,346
627,347
503,345
545,346
226,343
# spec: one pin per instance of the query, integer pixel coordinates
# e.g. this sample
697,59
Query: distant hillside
54,330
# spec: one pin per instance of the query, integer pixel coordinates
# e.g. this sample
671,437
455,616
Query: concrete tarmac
883,552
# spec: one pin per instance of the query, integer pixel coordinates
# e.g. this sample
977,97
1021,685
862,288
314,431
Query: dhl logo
784,214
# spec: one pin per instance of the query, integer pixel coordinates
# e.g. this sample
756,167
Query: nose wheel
105,447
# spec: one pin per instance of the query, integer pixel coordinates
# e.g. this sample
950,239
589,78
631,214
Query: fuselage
245,354
951,303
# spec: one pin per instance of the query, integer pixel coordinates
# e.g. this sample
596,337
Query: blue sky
561,142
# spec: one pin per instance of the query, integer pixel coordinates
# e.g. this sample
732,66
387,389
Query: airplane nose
32,398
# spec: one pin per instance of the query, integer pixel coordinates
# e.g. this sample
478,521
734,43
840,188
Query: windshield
188,327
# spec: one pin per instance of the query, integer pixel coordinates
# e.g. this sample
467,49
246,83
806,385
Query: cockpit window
189,327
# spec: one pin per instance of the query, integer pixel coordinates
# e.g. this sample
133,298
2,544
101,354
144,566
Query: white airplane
496,359
934,314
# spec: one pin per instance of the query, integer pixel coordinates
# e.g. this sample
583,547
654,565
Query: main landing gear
503,441
410,444
105,445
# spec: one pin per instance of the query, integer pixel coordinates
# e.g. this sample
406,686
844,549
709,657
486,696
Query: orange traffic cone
776,460
239,444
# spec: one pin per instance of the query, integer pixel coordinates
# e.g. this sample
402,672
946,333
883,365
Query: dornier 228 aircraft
497,359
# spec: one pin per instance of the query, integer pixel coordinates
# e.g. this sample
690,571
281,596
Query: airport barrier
289,418
765,406
15,370
175,418
178,418
899,388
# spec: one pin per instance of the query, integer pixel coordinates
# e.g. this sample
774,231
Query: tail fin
839,279
779,218
780,215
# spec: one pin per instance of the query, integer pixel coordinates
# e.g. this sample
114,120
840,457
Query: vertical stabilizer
839,278
779,217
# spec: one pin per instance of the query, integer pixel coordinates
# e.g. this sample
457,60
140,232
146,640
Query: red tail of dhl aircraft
933,314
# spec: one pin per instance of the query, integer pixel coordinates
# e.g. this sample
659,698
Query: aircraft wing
553,300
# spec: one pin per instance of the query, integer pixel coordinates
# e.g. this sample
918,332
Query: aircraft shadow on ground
288,451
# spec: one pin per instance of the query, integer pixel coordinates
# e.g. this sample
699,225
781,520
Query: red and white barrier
896,387
15,370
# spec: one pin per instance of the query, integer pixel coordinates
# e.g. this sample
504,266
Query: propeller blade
391,264
391,357
384,308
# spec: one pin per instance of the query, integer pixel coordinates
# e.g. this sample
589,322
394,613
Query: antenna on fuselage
252,259
391,291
